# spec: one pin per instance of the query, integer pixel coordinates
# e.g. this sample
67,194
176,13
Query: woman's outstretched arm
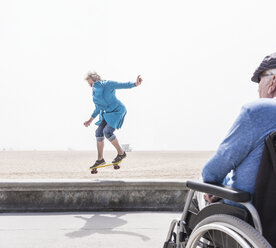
116,85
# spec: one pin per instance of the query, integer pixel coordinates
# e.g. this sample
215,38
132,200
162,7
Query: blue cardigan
107,104
242,149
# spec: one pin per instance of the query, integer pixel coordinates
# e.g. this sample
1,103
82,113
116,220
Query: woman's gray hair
94,76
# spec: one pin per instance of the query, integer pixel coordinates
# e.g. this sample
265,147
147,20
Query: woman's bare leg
116,144
100,147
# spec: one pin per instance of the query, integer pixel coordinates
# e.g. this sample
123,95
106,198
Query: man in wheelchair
243,174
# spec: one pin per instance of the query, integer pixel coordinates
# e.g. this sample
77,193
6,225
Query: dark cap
269,62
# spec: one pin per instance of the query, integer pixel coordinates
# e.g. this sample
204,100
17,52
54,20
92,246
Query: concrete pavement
85,229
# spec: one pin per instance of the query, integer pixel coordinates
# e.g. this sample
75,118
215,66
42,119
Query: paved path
83,230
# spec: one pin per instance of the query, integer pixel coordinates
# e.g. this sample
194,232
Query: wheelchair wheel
225,231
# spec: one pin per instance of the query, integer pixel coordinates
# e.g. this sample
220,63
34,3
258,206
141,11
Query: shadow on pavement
103,224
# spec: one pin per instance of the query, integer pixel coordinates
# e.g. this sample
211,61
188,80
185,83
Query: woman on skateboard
111,113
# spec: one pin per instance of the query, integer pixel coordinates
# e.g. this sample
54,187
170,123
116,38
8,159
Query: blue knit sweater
241,150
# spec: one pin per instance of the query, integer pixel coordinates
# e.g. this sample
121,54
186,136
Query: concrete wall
91,195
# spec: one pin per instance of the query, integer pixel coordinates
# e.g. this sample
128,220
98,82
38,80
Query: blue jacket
242,149
107,104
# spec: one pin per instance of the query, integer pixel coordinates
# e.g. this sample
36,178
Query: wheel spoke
223,231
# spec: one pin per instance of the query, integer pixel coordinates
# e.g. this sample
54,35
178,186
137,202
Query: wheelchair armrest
220,191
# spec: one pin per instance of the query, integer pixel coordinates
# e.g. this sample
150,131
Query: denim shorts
104,130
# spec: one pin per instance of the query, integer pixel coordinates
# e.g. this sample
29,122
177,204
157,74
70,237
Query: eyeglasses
266,75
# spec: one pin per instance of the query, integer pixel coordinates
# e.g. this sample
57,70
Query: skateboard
95,171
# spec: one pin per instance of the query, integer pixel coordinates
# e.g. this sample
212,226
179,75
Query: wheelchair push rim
225,230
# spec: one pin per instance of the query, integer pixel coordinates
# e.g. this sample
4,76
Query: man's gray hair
94,76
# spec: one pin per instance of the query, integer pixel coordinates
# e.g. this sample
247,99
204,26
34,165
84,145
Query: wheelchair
226,226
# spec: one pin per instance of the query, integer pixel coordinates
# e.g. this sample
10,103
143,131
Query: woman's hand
138,80
87,123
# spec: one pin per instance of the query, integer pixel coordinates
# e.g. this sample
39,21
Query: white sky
196,59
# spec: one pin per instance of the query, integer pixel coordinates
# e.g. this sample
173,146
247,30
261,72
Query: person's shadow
103,224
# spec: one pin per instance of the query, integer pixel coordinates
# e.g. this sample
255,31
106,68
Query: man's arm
232,151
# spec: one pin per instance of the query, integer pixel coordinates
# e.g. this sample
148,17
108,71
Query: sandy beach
75,164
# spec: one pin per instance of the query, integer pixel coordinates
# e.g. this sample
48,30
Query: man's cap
269,62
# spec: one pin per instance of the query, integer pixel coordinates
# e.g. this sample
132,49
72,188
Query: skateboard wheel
116,167
94,171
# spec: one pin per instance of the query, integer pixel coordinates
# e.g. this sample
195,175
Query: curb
91,195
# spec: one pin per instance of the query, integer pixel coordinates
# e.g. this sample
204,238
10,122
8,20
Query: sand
75,164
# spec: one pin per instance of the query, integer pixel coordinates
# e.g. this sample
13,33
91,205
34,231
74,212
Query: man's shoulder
260,105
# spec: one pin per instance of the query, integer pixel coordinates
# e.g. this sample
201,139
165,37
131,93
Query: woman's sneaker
97,163
119,158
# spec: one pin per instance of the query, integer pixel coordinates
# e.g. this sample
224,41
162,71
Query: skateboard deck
95,171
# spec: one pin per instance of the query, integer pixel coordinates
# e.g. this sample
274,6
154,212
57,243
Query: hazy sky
196,59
